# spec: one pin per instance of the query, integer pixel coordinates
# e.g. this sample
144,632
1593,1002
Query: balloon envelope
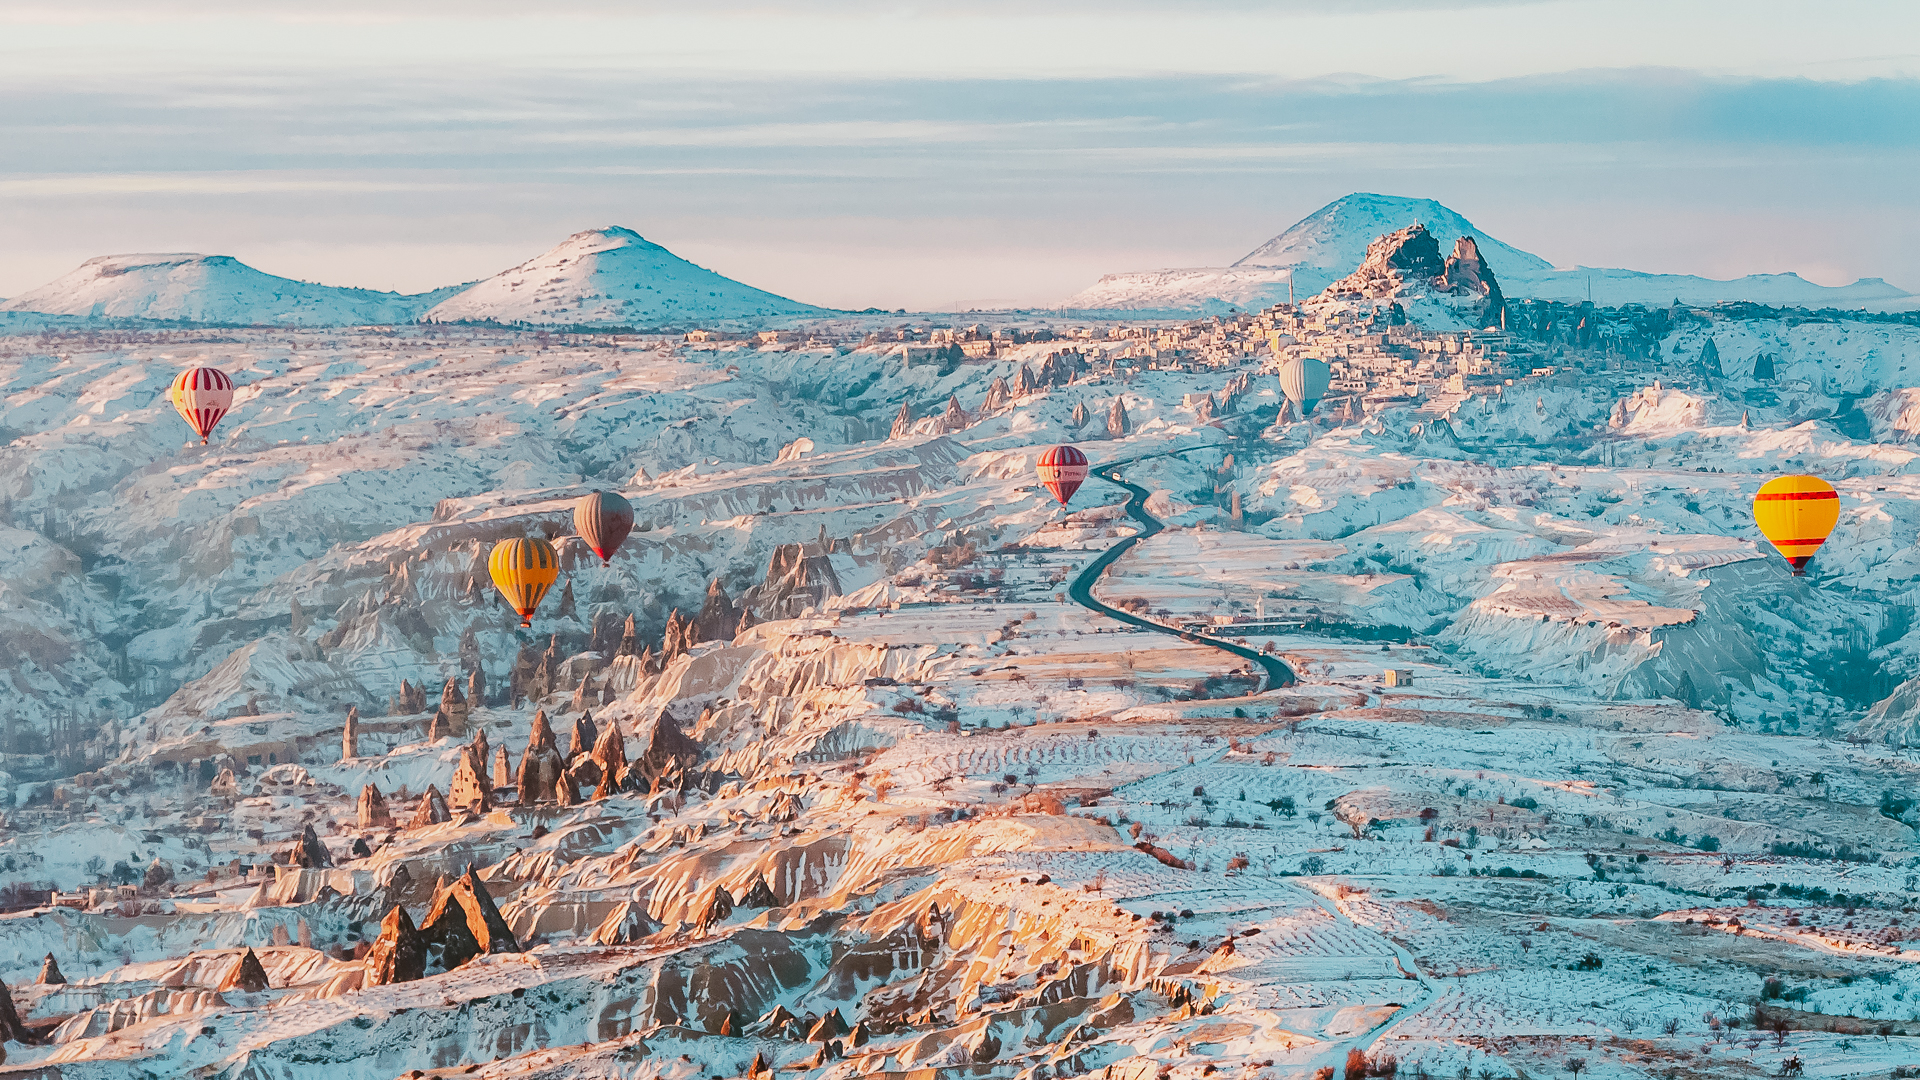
1062,469
202,395
523,570
1304,380
603,519
1796,513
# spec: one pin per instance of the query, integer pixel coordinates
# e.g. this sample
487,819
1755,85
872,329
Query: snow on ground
1560,774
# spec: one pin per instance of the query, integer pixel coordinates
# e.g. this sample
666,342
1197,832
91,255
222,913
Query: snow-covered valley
828,774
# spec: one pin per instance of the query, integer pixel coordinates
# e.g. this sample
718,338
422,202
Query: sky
936,156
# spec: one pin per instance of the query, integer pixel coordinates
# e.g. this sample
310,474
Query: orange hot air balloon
203,395
1062,469
603,519
523,570
1796,513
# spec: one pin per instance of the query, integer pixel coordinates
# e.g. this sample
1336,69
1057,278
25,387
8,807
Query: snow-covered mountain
1332,241
612,277
215,289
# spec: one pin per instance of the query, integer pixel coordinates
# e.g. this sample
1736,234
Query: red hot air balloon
1062,468
203,395
603,519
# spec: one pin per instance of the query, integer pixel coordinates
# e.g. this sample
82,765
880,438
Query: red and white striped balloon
203,395
1062,469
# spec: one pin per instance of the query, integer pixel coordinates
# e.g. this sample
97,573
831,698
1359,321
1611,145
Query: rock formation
350,738
1118,426
399,954
624,925
760,895
717,620
718,909
502,769
247,975
410,701
12,1029
371,811
796,580
433,810
463,923
455,704
663,749
541,766
308,852
585,734
997,399
467,790
610,754
50,973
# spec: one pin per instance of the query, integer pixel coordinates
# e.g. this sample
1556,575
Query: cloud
1602,167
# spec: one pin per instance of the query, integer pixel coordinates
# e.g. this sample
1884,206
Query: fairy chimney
350,738
399,954
372,810
585,734
455,704
247,975
432,811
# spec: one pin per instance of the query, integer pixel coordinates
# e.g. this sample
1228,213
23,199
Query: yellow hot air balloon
524,570
1796,513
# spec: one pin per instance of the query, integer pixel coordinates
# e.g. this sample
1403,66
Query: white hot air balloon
1304,380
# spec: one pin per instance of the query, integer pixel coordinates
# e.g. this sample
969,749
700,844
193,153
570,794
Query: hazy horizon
931,158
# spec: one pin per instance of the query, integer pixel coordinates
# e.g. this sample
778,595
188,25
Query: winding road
1277,672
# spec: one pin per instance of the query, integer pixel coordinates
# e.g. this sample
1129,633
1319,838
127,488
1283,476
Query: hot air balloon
603,519
1062,469
203,395
1304,380
1796,513
523,570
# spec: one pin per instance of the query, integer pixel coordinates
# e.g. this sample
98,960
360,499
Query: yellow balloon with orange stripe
523,570
1796,513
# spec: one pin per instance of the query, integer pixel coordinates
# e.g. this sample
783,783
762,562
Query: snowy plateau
1464,727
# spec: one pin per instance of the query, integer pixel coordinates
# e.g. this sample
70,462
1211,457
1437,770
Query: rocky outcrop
798,577
663,750
1894,720
1409,257
1408,263
541,766
410,701
399,954
1467,272
718,909
718,619
247,975
433,810
998,397
308,852
11,1027
455,704
50,973
464,923
624,925
610,754
1118,425
350,737
371,811
585,734
759,895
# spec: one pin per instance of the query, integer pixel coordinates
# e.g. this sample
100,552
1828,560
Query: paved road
1277,672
